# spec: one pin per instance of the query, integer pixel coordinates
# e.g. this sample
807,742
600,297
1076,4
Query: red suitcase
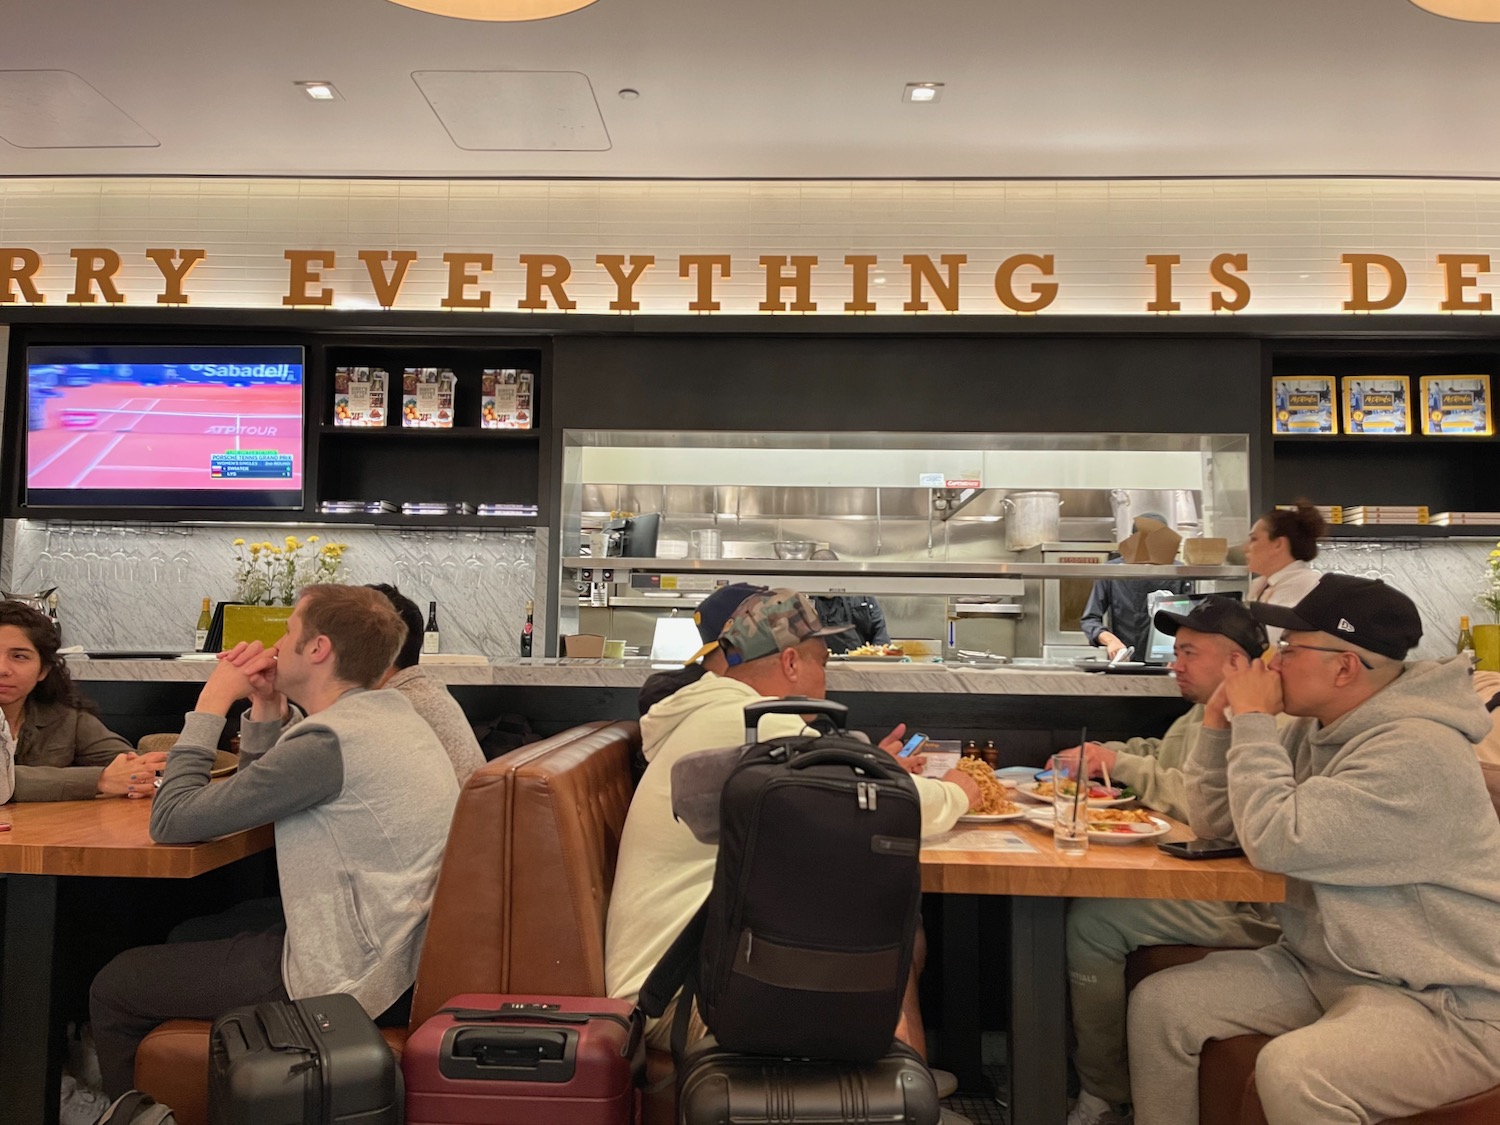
526,1060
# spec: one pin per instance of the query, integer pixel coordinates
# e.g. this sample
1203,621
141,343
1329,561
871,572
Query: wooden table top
1108,871
109,836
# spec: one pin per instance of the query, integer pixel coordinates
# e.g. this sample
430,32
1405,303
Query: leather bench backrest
524,888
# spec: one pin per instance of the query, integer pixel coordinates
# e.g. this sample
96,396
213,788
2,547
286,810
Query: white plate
1028,789
1158,829
991,818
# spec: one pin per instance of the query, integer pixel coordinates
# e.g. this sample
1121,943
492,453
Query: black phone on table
1203,849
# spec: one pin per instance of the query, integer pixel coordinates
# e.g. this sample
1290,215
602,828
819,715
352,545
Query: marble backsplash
1441,577
140,587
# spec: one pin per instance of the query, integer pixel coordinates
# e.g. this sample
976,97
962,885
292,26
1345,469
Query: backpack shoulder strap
675,966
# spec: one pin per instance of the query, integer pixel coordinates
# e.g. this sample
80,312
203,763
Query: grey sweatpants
1101,933
1346,1049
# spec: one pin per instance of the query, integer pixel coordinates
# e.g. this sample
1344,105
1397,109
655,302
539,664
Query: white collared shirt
1286,587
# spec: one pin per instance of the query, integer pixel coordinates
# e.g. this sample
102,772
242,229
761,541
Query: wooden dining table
42,844
1037,885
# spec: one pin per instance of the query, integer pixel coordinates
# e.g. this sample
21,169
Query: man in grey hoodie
361,793
1384,992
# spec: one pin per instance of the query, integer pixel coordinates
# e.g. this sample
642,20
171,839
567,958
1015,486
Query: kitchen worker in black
860,614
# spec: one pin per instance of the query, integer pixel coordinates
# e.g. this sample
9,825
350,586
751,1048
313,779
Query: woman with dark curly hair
1282,544
63,752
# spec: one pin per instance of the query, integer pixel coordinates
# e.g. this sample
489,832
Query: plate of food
994,803
1099,796
1125,826
875,652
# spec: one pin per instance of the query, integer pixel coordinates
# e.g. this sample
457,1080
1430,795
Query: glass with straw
1070,805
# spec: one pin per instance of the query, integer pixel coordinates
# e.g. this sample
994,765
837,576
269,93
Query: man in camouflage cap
773,648
770,622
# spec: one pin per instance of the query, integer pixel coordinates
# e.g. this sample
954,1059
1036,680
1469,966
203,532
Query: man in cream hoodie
1384,992
774,648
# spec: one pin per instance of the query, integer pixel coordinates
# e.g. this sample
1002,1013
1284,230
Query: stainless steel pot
1031,518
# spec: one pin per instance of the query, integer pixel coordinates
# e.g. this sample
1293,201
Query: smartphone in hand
1203,849
912,745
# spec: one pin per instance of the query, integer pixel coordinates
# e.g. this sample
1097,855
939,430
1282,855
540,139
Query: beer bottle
526,632
432,638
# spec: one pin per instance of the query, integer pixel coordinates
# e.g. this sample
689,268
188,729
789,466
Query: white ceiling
789,88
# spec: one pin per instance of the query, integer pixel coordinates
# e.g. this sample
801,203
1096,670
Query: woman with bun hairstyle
1281,544
62,751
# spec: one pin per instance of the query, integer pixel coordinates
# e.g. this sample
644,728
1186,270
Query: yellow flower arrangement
1489,597
271,574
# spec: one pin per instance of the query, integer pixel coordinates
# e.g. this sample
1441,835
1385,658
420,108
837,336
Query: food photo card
1303,404
1377,404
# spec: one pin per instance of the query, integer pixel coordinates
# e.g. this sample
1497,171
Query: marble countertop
555,672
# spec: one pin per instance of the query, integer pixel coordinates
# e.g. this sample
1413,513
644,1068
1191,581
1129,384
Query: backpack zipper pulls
859,793
749,944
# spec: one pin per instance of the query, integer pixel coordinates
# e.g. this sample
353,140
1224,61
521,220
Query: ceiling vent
516,110
58,109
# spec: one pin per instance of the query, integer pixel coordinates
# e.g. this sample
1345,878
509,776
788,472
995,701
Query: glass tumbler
1070,809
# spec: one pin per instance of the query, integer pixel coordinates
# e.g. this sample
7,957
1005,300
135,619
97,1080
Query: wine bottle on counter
432,637
200,632
1465,636
526,632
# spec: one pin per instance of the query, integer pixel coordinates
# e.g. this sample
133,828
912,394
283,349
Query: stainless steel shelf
907,569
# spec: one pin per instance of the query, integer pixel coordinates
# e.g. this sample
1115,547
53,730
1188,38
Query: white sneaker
1089,1110
945,1081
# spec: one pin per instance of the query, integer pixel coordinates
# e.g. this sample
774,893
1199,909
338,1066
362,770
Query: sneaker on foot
946,1082
1089,1110
79,1105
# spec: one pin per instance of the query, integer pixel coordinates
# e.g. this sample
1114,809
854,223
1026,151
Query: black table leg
960,1042
1038,1012
30,1064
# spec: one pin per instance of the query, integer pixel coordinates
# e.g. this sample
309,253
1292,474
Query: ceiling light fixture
502,11
319,91
922,92
1474,11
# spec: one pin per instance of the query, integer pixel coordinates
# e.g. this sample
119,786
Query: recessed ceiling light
319,91
629,95
500,10
922,92
1475,11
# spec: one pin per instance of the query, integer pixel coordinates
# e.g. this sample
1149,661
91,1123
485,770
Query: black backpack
805,942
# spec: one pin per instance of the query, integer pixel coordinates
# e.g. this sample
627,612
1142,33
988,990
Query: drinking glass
1070,825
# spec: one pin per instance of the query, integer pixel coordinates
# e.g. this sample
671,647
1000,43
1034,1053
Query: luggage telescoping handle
793,705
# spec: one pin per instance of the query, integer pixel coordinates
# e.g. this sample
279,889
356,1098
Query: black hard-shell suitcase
719,1087
319,1061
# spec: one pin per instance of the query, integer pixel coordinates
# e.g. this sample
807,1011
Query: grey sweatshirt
361,795
1383,826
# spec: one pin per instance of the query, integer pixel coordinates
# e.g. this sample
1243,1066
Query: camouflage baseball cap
768,622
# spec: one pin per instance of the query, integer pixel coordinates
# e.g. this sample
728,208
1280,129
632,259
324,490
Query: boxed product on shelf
359,396
1377,404
437,508
1398,514
1331,513
1456,404
360,507
1303,404
427,397
1458,519
507,509
505,398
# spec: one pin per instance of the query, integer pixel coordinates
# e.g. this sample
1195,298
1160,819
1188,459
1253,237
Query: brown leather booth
520,903
1226,1069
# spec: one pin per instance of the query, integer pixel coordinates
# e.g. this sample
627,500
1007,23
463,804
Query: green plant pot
263,623
1487,647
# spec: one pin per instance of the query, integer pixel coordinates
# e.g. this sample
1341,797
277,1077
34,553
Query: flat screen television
164,427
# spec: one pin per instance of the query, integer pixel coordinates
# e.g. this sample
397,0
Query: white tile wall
1294,231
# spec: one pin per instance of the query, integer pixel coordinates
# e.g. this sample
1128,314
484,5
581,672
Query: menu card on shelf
427,397
505,399
1303,404
1377,404
1456,404
359,396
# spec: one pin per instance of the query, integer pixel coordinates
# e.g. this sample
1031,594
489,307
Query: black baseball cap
1363,611
714,612
1227,617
